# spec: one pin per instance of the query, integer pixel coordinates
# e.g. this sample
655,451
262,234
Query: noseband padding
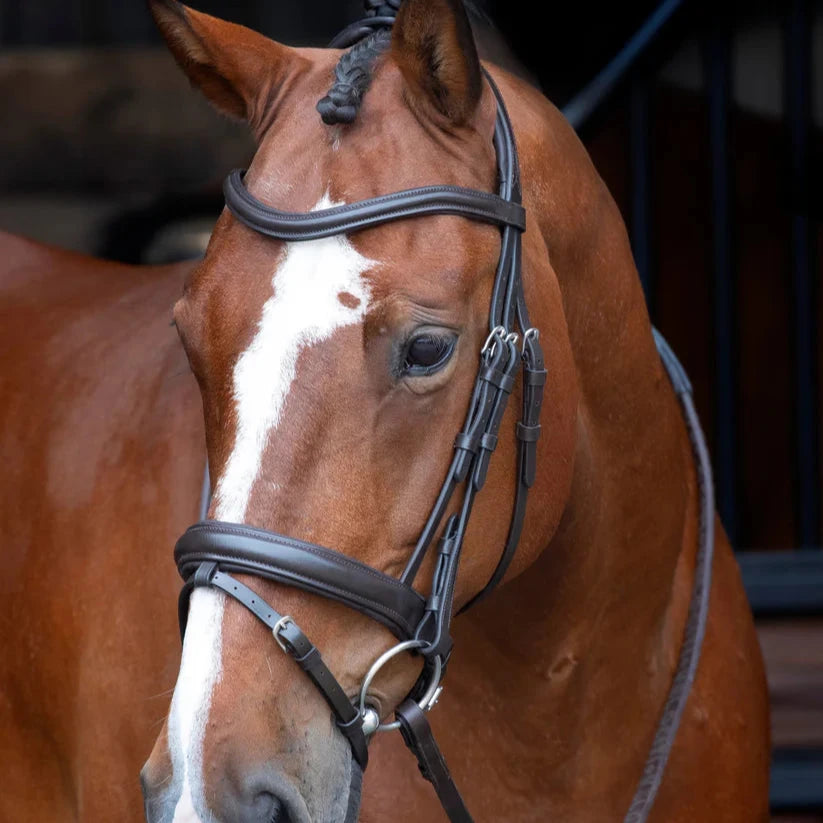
245,549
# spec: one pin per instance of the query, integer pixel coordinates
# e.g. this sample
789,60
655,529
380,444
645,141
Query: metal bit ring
425,702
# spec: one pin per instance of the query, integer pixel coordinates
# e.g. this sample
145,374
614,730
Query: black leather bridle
210,552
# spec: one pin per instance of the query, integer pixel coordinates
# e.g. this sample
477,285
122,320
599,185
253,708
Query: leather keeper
498,378
467,442
529,434
535,377
488,442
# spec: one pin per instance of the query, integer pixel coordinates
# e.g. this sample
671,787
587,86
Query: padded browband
245,549
352,217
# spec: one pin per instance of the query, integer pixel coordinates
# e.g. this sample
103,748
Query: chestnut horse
320,424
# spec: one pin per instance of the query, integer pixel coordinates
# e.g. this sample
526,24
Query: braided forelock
352,77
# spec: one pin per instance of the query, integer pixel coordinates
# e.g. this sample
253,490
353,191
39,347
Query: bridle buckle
278,627
497,333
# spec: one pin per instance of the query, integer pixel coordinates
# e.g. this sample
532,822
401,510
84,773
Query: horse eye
427,353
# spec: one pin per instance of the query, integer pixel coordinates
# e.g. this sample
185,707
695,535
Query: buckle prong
532,333
497,333
278,627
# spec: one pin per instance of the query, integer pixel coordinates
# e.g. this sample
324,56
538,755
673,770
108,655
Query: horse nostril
254,807
269,809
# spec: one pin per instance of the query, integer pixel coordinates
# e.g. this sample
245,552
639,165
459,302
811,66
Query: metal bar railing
580,109
717,73
641,206
797,51
797,780
783,582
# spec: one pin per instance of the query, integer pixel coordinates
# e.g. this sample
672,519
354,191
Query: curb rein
210,552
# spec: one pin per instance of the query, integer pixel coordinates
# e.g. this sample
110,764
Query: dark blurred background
703,118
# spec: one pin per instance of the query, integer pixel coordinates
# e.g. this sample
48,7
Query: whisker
164,693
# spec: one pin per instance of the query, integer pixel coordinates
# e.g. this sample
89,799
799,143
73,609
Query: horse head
334,375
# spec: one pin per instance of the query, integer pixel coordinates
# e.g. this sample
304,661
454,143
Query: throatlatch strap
417,735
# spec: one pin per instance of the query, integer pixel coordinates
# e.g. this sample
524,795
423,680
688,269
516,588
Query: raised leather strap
417,735
466,446
292,640
435,630
488,441
528,433
245,549
352,217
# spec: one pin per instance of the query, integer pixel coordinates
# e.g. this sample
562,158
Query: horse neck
628,534
599,615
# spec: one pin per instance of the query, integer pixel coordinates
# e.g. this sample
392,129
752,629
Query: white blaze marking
200,670
303,310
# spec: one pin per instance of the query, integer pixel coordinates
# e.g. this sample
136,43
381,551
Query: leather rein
211,552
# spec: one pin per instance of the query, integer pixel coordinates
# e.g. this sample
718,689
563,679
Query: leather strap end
353,732
528,436
529,464
183,606
417,735
481,470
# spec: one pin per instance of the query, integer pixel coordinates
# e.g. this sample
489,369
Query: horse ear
237,69
433,44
